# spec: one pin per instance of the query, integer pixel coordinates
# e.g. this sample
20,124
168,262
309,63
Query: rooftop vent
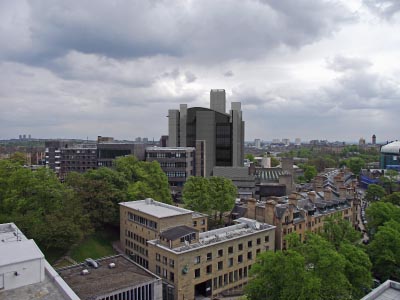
111,265
92,263
85,272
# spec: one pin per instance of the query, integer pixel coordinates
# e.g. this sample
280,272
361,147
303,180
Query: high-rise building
257,143
221,134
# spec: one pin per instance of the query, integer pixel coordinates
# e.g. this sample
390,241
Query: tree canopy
374,193
205,195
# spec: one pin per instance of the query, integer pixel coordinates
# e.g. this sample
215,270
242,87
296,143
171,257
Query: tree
282,276
355,164
309,172
337,230
374,193
380,212
146,179
389,181
19,158
222,194
196,194
393,198
274,162
384,251
250,157
42,207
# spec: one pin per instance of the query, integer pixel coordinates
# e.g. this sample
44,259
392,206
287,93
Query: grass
95,246
52,255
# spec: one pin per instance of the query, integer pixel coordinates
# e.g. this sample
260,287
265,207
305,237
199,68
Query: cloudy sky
312,69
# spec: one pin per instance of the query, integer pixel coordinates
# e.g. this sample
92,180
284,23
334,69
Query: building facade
177,163
221,134
174,244
390,156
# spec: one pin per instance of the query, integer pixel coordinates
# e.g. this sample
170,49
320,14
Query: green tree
196,194
355,164
389,181
146,179
282,276
42,207
309,172
380,212
19,158
384,251
250,157
337,230
393,198
374,193
222,194
274,162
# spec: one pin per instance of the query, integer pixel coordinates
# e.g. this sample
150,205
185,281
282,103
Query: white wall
29,272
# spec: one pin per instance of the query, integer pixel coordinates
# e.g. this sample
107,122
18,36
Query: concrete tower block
218,100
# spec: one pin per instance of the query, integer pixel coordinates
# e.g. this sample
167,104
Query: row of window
220,264
136,237
173,164
228,278
144,292
176,174
165,260
168,154
136,247
164,273
141,220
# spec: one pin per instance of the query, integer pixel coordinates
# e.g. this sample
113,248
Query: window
165,272
158,257
220,252
230,262
209,256
258,251
171,276
249,244
240,247
194,223
196,273
209,269
220,265
197,260
158,270
266,239
203,222
171,262
240,258
164,260
258,241
250,255
230,250
215,283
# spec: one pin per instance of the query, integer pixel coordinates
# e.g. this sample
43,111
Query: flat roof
177,232
104,279
15,252
157,209
389,290
246,227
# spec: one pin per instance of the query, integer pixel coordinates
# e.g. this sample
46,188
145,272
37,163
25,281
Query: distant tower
218,100
374,139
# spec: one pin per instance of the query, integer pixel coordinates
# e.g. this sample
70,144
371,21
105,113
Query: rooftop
245,227
104,279
157,209
389,290
177,232
16,252
392,148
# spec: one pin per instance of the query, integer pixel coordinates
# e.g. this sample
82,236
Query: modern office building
220,133
177,163
173,243
390,156
112,278
65,156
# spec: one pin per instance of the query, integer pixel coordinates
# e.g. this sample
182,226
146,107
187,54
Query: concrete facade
221,133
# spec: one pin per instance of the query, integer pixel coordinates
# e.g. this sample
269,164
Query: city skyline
308,69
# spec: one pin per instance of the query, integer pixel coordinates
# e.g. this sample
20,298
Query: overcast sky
301,68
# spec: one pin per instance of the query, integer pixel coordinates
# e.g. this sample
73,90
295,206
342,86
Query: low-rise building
112,278
144,220
207,264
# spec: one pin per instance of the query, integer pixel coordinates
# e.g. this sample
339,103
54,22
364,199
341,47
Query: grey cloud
206,30
341,63
229,73
386,9
190,77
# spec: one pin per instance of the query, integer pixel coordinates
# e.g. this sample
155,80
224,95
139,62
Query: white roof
15,252
155,208
393,147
